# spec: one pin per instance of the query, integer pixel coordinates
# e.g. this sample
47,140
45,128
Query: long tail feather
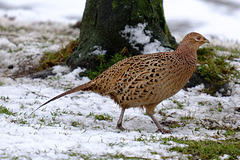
83,87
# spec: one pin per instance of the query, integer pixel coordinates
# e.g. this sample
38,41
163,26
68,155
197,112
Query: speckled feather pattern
146,80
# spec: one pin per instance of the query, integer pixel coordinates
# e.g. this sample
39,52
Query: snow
67,128
35,10
98,51
139,35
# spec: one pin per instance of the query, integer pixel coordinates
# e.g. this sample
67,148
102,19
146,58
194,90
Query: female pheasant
146,80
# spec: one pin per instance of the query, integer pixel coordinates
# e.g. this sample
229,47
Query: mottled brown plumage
146,80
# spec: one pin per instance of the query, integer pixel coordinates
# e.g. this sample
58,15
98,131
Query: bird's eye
198,38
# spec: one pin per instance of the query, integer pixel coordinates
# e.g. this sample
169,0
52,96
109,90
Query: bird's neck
187,51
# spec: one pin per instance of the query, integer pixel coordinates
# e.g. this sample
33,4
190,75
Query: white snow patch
98,51
43,10
225,156
60,70
139,35
5,43
23,47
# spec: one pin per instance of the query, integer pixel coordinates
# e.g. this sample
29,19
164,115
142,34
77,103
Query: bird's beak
206,40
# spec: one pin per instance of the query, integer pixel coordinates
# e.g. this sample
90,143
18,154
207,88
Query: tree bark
103,24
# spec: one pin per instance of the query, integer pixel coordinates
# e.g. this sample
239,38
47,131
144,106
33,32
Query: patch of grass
102,157
2,28
5,99
4,110
90,114
215,69
197,129
79,155
120,156
75,124
51,59
42,120
219,107
230,133
187,118
16,50
22,121
22,106
20,157
146,139
105,117
212,124
1,83
208,149
203,149
180,106
79,114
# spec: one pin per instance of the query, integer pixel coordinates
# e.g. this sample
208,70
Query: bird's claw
164,131
120,127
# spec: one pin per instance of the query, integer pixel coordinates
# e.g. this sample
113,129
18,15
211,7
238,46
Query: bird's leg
119,123
159,126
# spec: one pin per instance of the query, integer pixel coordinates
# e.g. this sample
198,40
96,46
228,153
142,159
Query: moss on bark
103,21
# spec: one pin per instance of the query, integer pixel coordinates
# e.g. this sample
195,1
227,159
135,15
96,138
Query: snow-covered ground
68,128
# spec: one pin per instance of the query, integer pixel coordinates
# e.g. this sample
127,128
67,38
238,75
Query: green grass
179,104
2,28
102,157
215,69
4,110
208,149
199,149
5,99
105,117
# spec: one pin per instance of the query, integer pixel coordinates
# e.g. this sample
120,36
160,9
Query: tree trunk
105,29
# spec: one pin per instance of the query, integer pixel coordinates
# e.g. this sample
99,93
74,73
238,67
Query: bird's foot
164,131
120,127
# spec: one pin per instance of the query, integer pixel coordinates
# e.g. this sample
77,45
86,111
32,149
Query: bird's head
195,39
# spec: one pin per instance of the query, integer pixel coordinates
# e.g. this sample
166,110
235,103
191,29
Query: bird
146,80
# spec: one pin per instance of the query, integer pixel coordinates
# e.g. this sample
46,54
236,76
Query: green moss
215,69
105,63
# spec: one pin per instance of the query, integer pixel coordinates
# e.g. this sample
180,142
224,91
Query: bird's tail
84,87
